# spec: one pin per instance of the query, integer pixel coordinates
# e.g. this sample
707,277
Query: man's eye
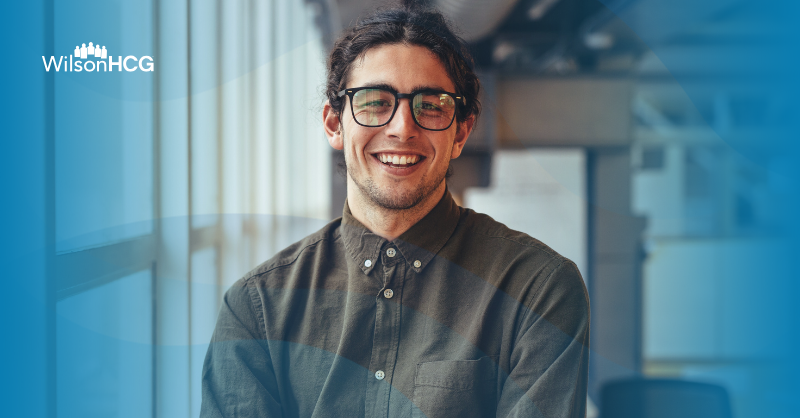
427,106
377,103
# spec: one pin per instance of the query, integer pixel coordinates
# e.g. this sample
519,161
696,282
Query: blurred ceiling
569,36
521,35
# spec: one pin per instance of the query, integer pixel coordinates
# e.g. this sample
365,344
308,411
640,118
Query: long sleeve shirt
458,317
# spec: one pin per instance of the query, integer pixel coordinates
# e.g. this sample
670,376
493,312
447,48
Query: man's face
405,69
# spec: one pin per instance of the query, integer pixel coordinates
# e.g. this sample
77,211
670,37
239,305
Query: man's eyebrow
420,87
428,88
380,85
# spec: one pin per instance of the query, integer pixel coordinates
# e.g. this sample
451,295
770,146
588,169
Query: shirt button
380,375
388,293
368,263
391,252
416,263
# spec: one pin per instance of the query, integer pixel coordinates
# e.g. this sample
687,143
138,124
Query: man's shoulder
296,251
496,237
509,258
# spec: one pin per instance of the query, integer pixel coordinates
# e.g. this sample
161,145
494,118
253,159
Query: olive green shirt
458,317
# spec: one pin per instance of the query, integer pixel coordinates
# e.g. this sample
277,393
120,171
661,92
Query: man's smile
398,160
399,163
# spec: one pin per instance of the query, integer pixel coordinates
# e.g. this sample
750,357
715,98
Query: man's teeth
398,159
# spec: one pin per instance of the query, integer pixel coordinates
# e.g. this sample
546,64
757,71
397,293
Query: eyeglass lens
374,107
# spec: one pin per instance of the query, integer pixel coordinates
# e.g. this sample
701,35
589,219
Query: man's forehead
389,65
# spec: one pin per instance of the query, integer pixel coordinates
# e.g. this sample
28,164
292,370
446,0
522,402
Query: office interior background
648,141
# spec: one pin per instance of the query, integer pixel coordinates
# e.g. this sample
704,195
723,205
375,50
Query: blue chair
663,398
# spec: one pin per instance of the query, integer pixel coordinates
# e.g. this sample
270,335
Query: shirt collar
420,243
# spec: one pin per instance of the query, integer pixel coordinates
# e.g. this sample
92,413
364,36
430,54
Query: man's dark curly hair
410,25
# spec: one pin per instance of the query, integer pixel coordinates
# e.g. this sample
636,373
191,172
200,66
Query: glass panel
104,350
104,125
205,294
204,114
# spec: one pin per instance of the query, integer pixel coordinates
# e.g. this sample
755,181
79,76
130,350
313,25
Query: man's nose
402,125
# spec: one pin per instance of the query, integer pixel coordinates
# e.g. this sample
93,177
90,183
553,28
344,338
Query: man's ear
463,130
333,127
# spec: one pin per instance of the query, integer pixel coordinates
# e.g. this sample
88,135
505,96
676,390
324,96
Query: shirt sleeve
238,377
549,363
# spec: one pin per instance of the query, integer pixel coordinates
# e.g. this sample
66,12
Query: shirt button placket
385,336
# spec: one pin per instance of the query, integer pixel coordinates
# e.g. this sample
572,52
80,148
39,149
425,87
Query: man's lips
395,159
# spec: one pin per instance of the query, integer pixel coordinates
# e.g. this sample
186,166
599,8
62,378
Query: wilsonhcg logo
73,63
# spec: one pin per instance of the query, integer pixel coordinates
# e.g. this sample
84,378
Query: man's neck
389,223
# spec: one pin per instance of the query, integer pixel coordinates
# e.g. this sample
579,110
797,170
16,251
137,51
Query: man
408,305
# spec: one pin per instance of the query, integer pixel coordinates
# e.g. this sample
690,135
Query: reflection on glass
105,350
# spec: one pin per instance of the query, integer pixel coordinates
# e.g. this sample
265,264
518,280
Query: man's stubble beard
405,201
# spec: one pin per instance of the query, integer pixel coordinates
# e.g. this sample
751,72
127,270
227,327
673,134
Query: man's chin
396,196
396,201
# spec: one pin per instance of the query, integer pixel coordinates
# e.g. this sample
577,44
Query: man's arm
238,377
549,362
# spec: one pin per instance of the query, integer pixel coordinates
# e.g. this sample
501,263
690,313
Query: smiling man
408,305
399,145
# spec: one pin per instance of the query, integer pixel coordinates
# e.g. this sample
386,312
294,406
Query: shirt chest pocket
460,388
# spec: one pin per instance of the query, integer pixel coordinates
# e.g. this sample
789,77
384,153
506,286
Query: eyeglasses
431,109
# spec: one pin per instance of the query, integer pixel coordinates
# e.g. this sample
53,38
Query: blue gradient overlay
77,173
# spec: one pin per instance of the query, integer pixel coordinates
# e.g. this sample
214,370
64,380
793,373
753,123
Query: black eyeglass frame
457,98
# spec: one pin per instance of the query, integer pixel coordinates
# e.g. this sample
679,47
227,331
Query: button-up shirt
458,317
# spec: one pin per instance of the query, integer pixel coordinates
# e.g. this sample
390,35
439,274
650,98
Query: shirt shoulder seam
255,301
529,304
250,282
538,245
547,279
285,261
